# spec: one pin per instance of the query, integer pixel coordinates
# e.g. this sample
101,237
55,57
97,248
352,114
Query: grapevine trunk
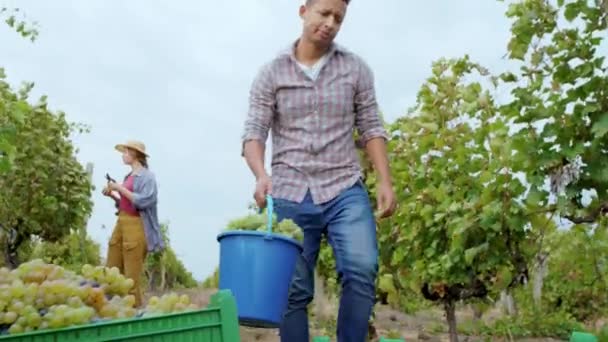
450,314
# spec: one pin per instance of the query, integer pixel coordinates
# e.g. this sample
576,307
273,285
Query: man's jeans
350,226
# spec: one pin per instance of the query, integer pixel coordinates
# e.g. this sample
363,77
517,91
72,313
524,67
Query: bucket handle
269,209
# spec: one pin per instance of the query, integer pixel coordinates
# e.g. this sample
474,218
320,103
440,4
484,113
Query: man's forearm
376,150
254,155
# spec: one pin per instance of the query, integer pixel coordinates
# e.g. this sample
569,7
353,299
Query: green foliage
46,191
326,267
177,273
459,222
71,252
567,303
25,29
46,186
213,281
602,334
560,102
580,257
468,226
11,111
164,270
576,279
559,105
557,324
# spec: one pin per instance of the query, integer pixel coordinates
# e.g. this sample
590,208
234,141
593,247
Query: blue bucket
257,267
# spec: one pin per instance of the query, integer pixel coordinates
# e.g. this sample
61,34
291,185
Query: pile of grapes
258,222
38,296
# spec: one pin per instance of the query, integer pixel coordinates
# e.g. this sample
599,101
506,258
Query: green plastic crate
321,339
382,339
580,336
216,323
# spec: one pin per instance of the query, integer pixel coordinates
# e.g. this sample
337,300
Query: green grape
153,301
289,228
10,317
49,299
249,222
54,321
171,302
17,289
17,306
87,270
258,222
21,321
38,296
74,302
33,319
15,329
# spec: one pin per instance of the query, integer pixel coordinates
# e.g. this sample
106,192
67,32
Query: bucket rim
260,234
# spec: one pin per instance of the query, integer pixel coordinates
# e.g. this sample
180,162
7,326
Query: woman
137,229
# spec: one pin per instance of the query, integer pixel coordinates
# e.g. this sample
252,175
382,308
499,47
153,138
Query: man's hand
263,187
376,150
253,150
386,199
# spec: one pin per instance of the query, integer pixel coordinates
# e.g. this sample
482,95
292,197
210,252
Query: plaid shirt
313,122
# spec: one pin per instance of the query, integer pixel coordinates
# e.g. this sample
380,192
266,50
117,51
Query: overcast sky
176,75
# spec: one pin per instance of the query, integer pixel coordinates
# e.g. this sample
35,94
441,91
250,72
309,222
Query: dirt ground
428,326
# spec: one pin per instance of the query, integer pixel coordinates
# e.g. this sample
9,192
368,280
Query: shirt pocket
294,102
337,99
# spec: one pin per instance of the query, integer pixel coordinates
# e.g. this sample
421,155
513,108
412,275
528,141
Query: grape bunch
290,228
168,303
38,296
258,222
112,282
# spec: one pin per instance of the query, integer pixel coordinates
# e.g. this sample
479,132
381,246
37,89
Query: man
313,96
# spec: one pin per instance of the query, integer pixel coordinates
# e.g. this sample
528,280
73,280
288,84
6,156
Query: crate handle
269,209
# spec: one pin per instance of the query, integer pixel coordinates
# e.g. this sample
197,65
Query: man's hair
309,2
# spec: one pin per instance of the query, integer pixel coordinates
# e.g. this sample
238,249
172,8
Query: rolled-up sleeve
261,107
367,116
146,195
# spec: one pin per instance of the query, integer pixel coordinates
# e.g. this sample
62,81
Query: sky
176,75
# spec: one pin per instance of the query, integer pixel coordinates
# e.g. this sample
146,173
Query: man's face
322,20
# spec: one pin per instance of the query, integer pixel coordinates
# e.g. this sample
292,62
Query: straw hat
133,144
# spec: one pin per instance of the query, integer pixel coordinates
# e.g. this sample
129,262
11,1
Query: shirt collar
139,172
290,51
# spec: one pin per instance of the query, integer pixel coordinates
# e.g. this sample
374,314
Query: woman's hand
113,186
107,191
